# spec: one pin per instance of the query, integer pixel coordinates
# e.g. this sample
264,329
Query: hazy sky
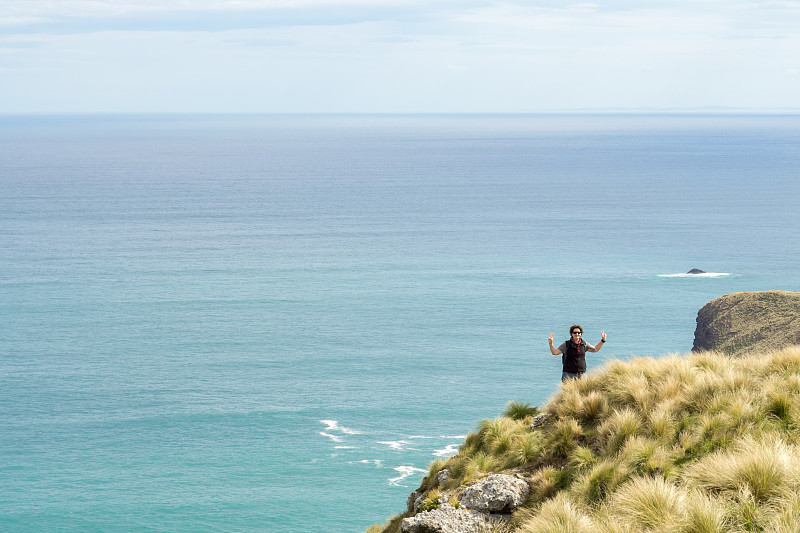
397,56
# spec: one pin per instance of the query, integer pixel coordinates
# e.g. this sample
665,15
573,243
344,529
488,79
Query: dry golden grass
559,515
701,443
650,504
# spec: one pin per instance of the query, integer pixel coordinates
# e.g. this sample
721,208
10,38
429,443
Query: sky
394,56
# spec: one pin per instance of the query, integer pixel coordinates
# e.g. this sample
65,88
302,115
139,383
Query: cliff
747,322
683,443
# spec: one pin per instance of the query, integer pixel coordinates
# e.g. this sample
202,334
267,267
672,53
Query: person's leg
569,375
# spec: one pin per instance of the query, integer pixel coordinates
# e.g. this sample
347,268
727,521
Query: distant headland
746,322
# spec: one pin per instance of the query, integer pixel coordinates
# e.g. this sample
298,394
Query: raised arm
599,344
553,349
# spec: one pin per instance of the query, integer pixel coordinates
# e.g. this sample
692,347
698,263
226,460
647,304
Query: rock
414,501
540,420
442,476
696,271
498,493
448,519
744,322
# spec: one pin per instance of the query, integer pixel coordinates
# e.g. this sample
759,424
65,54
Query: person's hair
574,327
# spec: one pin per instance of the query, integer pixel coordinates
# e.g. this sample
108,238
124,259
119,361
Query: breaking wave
405,472
703,275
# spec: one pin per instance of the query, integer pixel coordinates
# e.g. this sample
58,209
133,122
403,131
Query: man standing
573,352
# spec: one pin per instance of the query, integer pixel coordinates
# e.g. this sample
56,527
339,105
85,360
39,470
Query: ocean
275,323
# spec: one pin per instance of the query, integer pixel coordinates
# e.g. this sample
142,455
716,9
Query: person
573,352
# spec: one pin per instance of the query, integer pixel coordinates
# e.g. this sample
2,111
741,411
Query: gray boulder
540,420
448,519
498,493
415,500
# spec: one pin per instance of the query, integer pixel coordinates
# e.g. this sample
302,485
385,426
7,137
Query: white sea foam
703,275
450,449
334,438
395,444
404,471
447,437
376,462
333,425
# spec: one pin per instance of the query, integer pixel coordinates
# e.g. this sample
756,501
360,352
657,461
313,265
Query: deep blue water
275,323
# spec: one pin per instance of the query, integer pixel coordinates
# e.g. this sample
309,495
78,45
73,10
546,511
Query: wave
703,275
376,462
395,444
334,438
333,425
447,451
405,472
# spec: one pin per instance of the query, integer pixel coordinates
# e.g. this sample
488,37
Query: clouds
396,56
79,16
71,16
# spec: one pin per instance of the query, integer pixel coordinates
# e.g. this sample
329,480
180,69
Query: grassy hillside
694,443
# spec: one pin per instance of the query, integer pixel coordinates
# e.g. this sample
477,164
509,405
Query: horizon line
600,111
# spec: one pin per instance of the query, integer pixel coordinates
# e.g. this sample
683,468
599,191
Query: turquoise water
275,323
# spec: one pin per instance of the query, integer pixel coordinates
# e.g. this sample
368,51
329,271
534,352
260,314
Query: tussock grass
766,469
543,484
651,504
642,454
563,437
519,410
481,464
787,518
582,458
620,426
525,448
705,514
559,515
586,408
660,422
600,481
432,501
698,443
430,481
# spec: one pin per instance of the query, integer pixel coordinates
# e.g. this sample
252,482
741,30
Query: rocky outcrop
540,420
743,322
499,493
696,271
486,503
448,519
414,501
